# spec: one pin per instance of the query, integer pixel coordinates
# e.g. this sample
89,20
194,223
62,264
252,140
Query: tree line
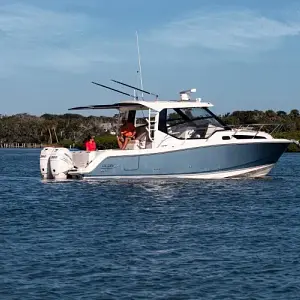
66,129
289,122
72,129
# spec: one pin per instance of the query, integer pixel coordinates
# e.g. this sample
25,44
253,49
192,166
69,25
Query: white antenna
140,67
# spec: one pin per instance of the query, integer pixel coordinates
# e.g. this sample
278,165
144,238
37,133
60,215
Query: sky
238,54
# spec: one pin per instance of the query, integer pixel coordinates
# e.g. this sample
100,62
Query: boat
179,138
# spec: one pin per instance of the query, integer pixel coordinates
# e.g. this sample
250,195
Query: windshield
190,123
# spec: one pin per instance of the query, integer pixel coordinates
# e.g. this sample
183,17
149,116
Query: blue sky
239,54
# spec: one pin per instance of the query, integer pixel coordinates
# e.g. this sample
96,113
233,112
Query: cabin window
248,137
226,137
131,116
189,123
141,116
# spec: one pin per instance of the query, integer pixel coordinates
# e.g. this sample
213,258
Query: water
226,239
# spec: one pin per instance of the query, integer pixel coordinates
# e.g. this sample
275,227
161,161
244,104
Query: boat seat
82,158
138,143
133,144
186,134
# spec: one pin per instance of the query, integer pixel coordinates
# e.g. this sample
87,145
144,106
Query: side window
169,118
173,118
141,116
131,116
162,121
176,122
188,123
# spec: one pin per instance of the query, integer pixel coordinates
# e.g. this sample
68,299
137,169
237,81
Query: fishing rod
107,87
133,87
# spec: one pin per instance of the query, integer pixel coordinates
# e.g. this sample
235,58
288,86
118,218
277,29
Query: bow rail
270,128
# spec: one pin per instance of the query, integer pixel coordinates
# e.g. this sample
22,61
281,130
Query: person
128,133
90,144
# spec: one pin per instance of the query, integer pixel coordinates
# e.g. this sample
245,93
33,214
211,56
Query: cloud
39,38
235,31
75,42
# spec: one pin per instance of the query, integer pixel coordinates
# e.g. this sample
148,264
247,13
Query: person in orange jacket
128,133
90,144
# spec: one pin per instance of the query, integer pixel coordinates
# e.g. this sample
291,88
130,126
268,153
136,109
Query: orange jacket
128,130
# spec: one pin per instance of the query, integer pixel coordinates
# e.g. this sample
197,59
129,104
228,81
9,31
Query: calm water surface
225,239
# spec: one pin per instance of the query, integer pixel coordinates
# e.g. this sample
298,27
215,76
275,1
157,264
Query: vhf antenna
133,87
140,67
107,87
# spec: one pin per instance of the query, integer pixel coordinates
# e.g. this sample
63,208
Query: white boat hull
257,172
251,160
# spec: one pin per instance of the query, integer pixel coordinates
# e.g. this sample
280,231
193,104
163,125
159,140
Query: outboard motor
45,163
60,163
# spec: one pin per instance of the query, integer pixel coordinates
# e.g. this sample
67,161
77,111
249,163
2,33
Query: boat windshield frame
192,122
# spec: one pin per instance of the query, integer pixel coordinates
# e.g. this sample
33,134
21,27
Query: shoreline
36,148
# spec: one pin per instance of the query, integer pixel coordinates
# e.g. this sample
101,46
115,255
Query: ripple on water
169,239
